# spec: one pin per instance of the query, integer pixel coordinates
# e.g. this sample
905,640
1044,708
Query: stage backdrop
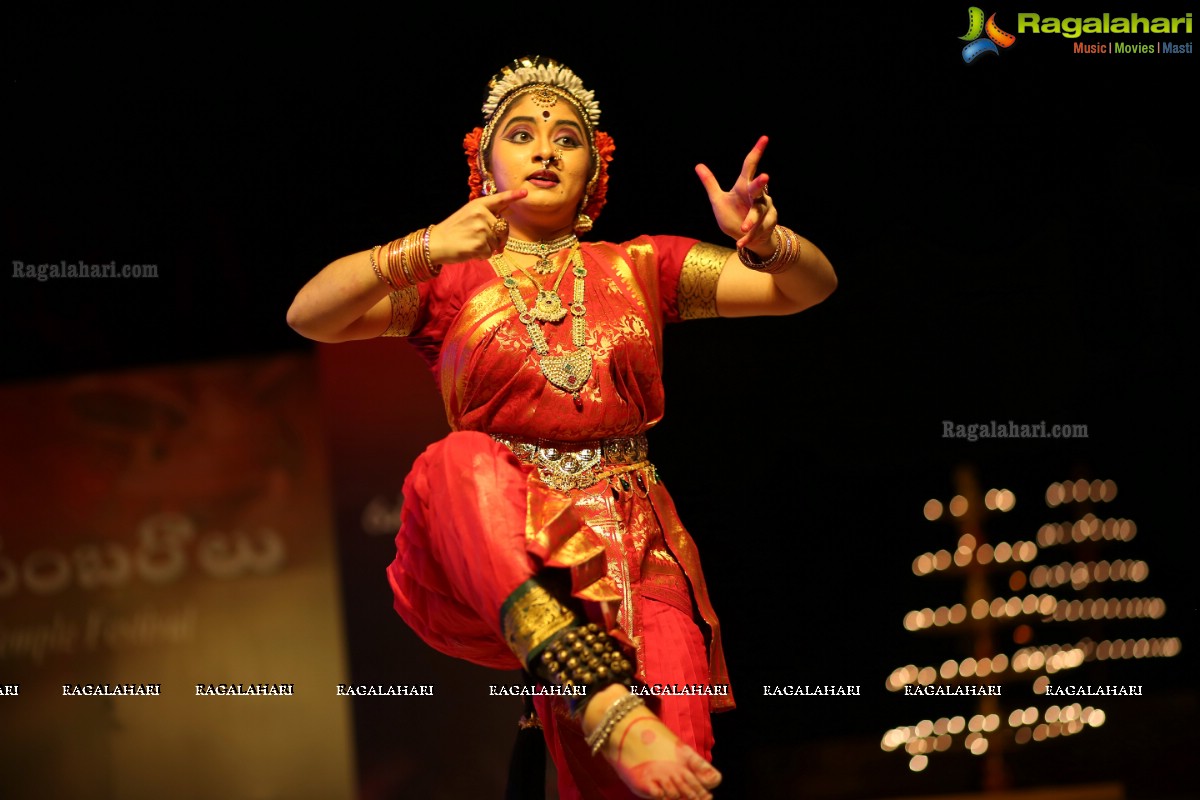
380,410
170,618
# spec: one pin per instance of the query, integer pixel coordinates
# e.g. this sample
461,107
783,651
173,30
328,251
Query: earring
583,223
489,186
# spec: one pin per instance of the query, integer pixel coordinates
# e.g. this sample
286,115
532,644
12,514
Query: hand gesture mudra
745,212
477,230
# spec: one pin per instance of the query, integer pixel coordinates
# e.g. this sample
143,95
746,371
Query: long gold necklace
569,372
543,250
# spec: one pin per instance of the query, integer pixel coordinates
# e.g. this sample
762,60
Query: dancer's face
542,148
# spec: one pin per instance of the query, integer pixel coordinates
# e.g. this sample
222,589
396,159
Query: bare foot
647,756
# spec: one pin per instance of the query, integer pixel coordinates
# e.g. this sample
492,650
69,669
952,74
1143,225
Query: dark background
1014,239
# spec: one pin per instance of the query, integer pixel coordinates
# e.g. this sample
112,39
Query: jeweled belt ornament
578,465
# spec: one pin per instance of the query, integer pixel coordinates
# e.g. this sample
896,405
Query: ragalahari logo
976,27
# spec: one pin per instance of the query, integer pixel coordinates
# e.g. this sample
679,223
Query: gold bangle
785,255
408,260
375,266
750,259
415,257
391,261
392,264
434,269
792,254
399,263
406,263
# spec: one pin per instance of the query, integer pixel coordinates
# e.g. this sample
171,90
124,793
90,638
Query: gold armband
406,303
697,293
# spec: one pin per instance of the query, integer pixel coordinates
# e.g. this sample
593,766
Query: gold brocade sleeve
405,304
697,296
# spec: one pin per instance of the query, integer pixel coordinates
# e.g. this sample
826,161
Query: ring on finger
500,226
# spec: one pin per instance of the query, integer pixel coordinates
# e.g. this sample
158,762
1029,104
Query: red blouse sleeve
688,270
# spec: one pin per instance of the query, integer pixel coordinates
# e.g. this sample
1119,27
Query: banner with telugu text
170,613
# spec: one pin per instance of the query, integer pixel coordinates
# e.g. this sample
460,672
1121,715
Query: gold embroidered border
406,303
684,549
698,280
530,618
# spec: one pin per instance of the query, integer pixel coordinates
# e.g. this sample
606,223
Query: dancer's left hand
745,212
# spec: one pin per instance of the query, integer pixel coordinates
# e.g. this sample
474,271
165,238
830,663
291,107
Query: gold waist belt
577,465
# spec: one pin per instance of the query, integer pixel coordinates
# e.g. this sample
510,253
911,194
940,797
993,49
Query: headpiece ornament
535,69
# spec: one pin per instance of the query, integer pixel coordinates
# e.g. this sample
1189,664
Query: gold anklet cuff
530,618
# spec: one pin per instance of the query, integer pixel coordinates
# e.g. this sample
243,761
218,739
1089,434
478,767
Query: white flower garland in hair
537,70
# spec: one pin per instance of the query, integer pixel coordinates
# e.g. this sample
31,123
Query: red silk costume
477,522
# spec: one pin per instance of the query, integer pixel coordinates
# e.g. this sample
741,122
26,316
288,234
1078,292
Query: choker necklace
569,372
543,250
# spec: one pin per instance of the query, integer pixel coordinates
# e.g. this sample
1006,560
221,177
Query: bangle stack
615,713
787,252
407,260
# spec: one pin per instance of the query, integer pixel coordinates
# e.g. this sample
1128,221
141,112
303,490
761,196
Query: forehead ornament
544,98
551,76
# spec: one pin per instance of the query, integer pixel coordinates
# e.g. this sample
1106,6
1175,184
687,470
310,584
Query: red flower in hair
471,146
596,198
599,193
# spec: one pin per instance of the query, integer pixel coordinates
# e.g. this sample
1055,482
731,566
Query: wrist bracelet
408,260
434,269
375,266
787,253
750,259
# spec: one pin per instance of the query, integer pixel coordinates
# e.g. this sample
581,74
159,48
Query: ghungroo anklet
584,657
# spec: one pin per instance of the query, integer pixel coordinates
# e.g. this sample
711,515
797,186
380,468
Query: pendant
544,266
548,307
569,372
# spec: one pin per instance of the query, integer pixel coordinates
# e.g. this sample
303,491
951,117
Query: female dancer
537,534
